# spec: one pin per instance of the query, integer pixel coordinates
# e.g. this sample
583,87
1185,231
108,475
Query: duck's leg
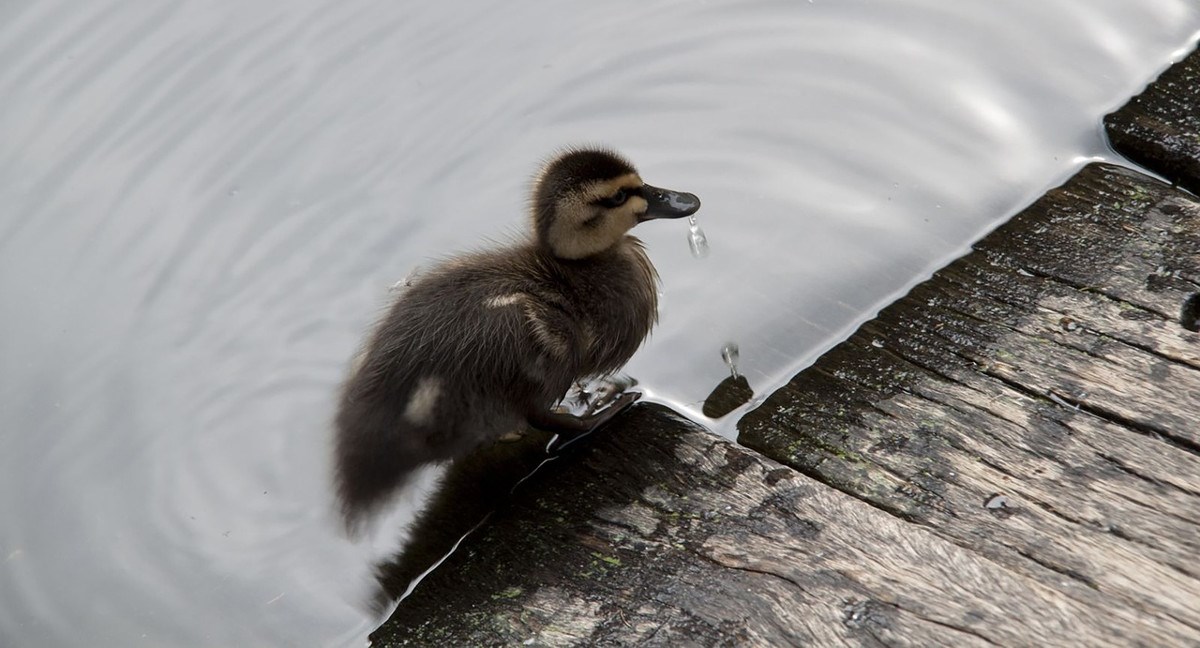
605,390
571,425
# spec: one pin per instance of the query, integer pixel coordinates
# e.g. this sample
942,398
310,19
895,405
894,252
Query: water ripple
204,204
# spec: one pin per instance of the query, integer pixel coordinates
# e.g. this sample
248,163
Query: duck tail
371,462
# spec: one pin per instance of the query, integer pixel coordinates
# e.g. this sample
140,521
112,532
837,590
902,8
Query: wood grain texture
664,535
1160,128
1049,368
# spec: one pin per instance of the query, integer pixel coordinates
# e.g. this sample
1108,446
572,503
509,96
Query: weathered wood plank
664,535
1160,128
1048,367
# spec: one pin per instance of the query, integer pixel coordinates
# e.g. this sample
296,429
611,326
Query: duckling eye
615,200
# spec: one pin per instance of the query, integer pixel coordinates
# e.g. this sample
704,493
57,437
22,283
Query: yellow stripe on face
567,235
604,188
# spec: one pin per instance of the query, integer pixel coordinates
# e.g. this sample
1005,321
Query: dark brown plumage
487,341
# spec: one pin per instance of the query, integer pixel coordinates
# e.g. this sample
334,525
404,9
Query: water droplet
697,241
729,353
997,504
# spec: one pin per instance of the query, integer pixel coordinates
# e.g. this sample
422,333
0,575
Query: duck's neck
615,293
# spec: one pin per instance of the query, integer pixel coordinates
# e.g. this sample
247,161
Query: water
697,241
730,354
204,204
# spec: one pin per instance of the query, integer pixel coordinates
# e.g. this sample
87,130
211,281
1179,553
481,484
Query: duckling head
586,200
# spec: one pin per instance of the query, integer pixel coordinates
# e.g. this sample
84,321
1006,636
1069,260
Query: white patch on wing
422,401
500,301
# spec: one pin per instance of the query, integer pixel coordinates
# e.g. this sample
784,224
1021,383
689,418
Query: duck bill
664,203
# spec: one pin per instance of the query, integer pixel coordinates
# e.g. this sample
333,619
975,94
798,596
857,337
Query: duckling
486,341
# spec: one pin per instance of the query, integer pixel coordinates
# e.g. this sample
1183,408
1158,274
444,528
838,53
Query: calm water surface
203,204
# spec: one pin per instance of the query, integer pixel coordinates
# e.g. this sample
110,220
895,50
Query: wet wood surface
1034,403
1009,455
1160,128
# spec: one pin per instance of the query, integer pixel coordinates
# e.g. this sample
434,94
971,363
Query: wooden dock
1009,455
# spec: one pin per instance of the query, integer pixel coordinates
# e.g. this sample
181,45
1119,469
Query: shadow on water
475,487
471,490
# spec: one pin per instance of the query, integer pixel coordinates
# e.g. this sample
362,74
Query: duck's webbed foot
571,426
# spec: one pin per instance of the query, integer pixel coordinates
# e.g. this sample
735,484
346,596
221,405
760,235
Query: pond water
203,204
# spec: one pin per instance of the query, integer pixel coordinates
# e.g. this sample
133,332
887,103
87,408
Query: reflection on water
204,205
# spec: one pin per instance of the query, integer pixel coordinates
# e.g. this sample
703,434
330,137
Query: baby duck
486,341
